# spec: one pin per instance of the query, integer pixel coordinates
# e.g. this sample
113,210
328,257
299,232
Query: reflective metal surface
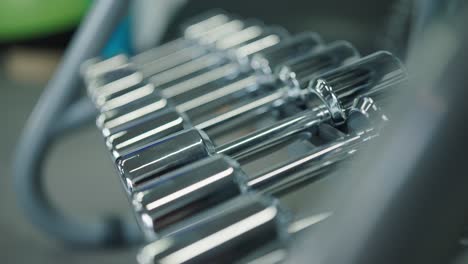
245,228
160,157
127,141
188,191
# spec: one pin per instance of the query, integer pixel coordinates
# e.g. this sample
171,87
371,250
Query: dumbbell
197,31
141,131
160,204
233,47
182,116
252,228
328,96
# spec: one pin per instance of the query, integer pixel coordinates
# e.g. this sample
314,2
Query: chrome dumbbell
162,203
197,31
152,126
328,97
245,230
234,47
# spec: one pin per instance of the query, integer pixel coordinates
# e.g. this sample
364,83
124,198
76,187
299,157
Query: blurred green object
26,19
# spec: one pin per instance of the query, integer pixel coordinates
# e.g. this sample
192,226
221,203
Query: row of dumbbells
160,112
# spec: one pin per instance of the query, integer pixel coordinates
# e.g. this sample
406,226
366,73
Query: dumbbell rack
130,92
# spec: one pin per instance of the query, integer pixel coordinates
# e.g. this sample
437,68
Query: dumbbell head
242,229
141,91
112,81
266,62
271,37
163,124
172,152
197,26
120,120
188,191
95,67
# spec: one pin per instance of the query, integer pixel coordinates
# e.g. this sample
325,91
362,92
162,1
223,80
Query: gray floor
80,179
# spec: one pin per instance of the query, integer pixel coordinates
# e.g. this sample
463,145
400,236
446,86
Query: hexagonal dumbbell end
187,192
164,156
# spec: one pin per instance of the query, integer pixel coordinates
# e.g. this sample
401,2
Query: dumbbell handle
309,167
274,135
